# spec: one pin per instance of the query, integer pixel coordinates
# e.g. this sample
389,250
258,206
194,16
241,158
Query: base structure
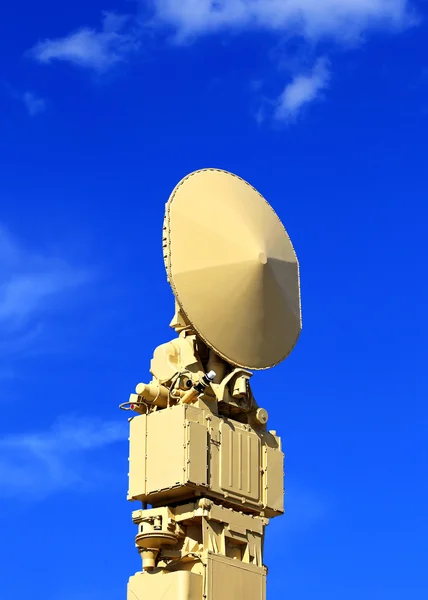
198,550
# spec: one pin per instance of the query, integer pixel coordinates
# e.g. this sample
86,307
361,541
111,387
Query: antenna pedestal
212,475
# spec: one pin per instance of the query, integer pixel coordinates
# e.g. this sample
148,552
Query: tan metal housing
202,461
230,462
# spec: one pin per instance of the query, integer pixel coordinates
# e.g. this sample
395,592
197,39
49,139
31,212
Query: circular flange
232,268
262,416
155,539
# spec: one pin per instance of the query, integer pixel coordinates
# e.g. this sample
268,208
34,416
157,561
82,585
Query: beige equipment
202,461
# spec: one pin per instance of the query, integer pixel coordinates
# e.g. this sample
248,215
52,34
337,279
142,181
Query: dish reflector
232,268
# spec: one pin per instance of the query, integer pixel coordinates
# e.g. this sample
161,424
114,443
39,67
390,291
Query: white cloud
313,19
33,103
90,48
333,22
32,286
303,89
35,465
342,22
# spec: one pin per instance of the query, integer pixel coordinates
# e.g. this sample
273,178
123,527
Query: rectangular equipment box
184,451
227,579
230,579
179,585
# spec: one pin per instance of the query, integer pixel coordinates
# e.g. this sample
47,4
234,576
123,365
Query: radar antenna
202,462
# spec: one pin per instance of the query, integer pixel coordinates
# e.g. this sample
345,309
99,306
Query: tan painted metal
232,268
228,461
202,461
218,555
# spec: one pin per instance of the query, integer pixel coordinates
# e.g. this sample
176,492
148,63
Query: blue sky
323,106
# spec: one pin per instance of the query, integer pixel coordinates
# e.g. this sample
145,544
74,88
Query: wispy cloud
90,48
313,19
335,23
37,464
340,22
33,103
303,89
32,287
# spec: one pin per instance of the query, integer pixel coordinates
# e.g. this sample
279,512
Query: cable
128,405
179,560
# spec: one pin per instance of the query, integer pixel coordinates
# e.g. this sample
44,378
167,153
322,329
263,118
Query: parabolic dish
232,268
